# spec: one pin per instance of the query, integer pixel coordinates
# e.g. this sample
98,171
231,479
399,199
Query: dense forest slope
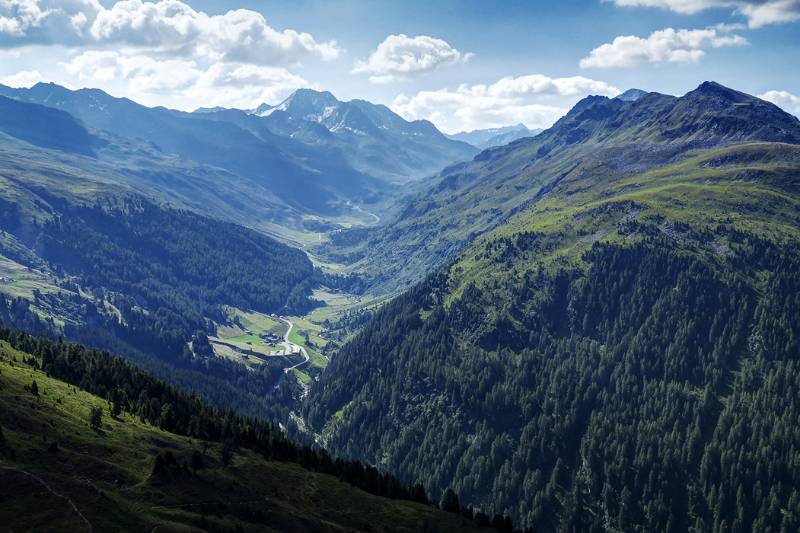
600,138
87,443
90,258
622,352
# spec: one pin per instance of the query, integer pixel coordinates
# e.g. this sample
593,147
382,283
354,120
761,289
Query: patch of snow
265,113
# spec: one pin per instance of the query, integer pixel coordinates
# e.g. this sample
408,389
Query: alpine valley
316,315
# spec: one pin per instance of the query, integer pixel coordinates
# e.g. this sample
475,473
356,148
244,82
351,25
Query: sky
461,64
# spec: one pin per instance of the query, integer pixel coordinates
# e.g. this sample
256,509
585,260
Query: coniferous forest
663,400
154,278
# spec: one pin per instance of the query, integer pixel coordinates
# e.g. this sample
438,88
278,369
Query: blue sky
462,64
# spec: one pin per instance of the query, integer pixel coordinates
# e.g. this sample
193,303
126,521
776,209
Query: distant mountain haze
44,126
487,138
312,151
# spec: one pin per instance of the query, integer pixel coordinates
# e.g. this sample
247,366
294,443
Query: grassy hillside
696,203
599,141
61,474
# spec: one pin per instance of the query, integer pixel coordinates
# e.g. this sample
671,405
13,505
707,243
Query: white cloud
169,27
244,86
783,99
185,82
24,22
774,12
25,78
535,100
399,56
142,73
538,84
662,46
759,13
686,7
163,51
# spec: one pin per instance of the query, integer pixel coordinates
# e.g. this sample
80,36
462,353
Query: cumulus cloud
758,12
44,21
535,100
400,56
25,78
662,46
164,51
142,73
774,12
148,80
686,7
783,99
538,84
169,27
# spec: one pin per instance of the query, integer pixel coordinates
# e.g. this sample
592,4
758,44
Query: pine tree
96,417
449,502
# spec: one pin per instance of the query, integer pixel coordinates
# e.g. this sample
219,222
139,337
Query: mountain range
599,137
312,153
373,139
486,138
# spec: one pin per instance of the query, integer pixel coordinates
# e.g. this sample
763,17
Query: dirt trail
52,491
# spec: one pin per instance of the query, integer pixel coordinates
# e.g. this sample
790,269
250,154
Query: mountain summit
621,136
372,138
709,115
308,104
631,95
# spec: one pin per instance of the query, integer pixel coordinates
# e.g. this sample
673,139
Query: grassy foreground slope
61,474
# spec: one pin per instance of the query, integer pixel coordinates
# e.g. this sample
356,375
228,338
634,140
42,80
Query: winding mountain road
290,345
365,212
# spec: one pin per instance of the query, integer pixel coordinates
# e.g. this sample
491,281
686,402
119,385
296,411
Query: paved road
290,345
